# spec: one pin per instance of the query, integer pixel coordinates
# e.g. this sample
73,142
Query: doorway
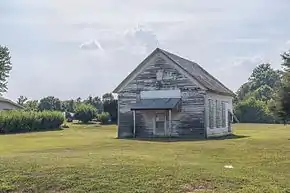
160,124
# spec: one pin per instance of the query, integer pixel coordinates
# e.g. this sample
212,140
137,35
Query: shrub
18,121
104,117
85,113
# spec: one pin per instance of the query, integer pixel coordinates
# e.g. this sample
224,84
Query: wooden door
160,124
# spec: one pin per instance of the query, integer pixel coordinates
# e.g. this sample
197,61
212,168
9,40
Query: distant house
167,95
6,104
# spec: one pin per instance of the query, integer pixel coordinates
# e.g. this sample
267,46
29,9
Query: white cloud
140,38
91,45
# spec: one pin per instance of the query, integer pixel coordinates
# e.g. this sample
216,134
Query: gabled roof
191,68
205,78
2,99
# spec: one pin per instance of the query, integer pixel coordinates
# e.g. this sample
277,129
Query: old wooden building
170,96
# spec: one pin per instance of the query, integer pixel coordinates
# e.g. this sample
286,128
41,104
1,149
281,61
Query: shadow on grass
81,123
37,131
185,139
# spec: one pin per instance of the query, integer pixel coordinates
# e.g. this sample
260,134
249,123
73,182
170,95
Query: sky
77,48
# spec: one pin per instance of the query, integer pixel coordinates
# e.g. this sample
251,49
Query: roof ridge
197,65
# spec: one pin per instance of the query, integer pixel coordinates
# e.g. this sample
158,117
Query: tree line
264,98
50,103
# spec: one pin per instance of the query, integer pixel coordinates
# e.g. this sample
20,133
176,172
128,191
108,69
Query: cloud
91,45
239,71
250,40
140,38
85,42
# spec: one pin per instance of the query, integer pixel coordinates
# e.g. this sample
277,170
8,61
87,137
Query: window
211,113
223,114
160,121
217,118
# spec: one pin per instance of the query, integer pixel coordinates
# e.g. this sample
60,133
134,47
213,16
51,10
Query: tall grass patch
18,121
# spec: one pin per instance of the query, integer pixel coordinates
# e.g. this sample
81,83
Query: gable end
147,61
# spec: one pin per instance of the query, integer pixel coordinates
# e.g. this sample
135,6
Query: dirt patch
199,187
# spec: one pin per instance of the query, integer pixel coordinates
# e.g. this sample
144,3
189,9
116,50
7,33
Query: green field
88,158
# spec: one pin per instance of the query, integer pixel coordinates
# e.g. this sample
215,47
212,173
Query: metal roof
155,104
199,73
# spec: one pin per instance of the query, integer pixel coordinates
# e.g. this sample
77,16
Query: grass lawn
87,158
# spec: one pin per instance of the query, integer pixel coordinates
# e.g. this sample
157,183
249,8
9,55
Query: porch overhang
156,104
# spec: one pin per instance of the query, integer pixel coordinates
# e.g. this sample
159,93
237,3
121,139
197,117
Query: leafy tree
111,106
31,105
79,100
108,97
94,101
243,91
21,100
284,94
49,103
5,67
253,111
68,105
263,93
264,74
85,113
262,83
256,99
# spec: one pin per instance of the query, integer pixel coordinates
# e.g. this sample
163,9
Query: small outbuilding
6,104
170,96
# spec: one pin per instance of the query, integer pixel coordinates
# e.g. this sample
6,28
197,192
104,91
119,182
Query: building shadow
186,139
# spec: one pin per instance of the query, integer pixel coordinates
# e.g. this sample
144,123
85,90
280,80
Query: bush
85,113
104,117
18,121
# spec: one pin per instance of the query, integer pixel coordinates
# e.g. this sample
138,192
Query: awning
156,104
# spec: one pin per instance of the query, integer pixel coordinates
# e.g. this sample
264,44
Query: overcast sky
73,48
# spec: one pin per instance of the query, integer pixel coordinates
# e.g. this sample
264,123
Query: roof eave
231,94
12,103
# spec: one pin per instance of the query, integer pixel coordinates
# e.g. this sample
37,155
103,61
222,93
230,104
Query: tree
85,113
68,105
243,91
108,97
111,106
284,95
95,101
264,74
256,99
262,83
21,100
49,103
253,111
5,67
31,105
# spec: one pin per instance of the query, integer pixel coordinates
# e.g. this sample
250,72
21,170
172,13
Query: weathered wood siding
189,121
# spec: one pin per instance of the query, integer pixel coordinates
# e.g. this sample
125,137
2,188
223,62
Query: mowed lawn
88,158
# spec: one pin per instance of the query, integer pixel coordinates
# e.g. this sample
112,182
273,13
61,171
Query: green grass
86,158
